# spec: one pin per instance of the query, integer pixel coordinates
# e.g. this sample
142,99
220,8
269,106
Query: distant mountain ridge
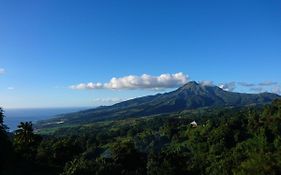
190,96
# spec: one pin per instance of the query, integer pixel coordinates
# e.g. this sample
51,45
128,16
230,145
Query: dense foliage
244,140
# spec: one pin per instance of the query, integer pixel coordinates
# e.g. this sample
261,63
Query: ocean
14,116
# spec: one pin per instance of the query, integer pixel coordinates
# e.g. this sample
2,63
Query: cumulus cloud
144,81
228,86
207,83
88,86
2,71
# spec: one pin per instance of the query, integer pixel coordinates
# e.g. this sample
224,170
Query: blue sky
47,46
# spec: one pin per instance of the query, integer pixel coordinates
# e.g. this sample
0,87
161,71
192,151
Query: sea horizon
13,116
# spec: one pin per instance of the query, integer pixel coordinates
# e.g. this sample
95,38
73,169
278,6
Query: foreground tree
24,134
127,159
25,141
79,166
5,144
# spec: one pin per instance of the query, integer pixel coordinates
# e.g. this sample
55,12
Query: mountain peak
190,84
192,95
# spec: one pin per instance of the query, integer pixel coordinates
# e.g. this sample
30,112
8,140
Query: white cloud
257,89
138,82
262,87
228,86
267,83
276,89
11,88
2,71
108,100
207,83
246,84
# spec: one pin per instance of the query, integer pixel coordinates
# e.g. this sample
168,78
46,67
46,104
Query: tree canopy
243,140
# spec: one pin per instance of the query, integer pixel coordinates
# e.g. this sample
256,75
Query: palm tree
25,141
24,134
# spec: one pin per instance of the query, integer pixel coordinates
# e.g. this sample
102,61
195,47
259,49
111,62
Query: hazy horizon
14,116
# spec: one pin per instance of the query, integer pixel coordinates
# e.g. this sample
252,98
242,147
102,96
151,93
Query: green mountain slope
190,96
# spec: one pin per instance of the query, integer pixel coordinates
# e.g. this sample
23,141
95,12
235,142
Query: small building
193,124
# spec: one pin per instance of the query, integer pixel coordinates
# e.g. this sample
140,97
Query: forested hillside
192,95
243,140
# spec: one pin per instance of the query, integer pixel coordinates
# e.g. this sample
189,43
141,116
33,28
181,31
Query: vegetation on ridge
190,96
243,140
